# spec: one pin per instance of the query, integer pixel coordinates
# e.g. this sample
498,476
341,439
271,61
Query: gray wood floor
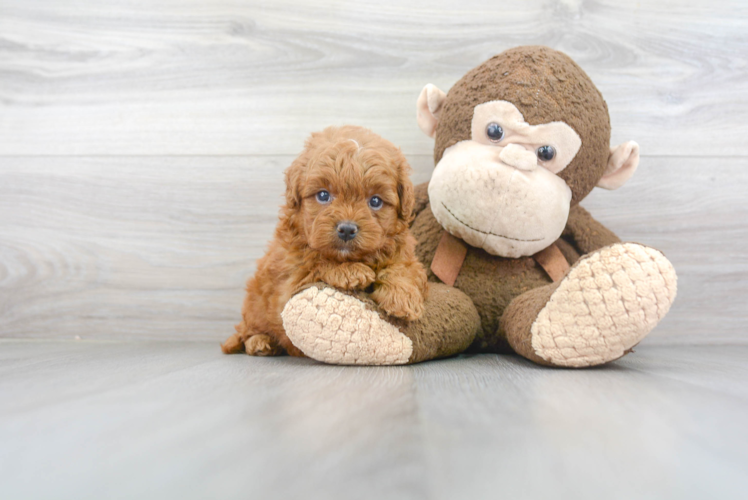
107,419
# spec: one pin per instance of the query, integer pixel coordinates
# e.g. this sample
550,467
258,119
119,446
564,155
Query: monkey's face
499,190
519,139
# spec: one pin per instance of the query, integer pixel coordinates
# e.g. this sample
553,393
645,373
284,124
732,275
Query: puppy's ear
294,175
405,189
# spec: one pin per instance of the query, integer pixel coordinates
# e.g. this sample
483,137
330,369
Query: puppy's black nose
347,230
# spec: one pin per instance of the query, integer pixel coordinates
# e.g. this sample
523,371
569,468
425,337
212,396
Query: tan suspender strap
451,252
448,259
553,261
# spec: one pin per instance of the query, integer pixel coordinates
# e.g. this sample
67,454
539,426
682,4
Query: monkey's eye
494,132
375,202
324,197
546,153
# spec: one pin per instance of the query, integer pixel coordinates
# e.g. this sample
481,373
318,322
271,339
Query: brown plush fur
352,164
492,282
546,86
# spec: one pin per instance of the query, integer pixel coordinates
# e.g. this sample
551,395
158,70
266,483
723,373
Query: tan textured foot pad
607,304
333,327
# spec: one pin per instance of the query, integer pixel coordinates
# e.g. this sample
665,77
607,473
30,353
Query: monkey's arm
421,193
586,233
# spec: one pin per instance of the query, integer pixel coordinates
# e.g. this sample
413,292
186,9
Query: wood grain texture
132,246
155,247
183,77
92,420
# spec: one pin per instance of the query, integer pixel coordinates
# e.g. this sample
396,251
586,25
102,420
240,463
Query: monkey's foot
350,329
610,300
333,327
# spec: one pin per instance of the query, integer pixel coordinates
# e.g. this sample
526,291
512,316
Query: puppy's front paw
402,301
350,276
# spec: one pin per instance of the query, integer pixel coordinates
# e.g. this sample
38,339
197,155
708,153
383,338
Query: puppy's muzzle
347,230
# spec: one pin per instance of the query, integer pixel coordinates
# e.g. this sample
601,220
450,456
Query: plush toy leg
607,303
348,329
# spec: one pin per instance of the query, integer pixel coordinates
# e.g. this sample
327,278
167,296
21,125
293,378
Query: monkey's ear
428,107
622,164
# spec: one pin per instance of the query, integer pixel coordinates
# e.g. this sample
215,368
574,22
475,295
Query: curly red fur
352,164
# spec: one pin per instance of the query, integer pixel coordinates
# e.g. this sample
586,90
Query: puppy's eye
375,202
324,197
494,132
546,153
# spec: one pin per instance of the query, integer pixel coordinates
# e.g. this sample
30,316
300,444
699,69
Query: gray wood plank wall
142,143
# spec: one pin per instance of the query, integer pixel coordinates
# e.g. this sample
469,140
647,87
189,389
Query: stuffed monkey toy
515,263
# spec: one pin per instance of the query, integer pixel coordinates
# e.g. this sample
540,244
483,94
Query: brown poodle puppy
349,204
